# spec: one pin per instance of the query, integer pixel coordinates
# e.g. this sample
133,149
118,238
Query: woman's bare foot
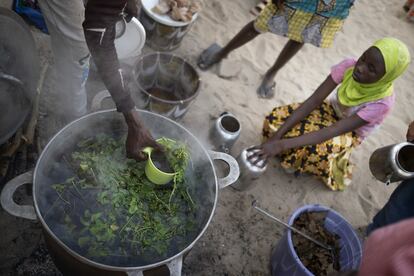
267,87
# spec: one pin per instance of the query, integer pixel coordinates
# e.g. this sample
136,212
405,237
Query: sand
239,240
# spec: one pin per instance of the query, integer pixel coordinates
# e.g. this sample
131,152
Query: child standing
317,137
312,21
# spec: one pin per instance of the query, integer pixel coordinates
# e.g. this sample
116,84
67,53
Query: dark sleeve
99,28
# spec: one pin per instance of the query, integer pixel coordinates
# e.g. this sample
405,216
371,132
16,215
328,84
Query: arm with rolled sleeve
99,27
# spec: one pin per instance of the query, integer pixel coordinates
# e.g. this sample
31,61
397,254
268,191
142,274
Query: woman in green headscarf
317,137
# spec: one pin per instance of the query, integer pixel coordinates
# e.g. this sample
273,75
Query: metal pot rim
220,124
108,267
135,74
165,20
397,166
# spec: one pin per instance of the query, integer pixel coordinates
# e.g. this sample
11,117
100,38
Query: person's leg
71,57
211,56
400,206
266,88
245,35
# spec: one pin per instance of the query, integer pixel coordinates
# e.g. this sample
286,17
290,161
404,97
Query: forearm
100,36
341,127
132,119
307,107
311,138
299,114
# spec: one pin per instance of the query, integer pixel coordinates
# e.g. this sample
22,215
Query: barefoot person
317,137
313,21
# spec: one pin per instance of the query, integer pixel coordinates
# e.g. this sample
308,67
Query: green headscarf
396,57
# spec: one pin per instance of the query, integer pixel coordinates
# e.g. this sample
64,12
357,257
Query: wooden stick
28,136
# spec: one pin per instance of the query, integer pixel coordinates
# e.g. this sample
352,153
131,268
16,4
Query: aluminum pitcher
393,163
225,132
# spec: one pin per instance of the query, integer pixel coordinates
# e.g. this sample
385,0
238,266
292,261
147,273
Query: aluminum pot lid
14,106
19,61
164,19
84,218
130,38
18,52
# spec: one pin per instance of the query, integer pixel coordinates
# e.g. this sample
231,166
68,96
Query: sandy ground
239,241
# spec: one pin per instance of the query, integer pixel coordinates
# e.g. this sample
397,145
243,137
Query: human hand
266,150
138,137
410,132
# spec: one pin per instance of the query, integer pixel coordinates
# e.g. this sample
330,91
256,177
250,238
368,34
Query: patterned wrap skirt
306,21
328,160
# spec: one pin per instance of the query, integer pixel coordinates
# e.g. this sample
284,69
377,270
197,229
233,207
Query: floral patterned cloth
328,160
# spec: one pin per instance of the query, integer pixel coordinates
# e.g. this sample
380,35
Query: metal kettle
225,131
248,171
393,163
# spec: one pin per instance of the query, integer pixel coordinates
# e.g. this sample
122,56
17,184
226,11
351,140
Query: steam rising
52,169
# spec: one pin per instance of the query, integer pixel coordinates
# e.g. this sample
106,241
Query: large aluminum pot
163,33
393,163
50,169
19,72
159,82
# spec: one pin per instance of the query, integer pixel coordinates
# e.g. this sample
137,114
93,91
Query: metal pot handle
98,99
233,165
175,267
7,202
135,273
11,78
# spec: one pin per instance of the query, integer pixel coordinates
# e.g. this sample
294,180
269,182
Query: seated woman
317,137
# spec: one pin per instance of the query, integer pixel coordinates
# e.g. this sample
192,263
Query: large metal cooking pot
18,52
19,72
50,169
163,33
14,105
159,82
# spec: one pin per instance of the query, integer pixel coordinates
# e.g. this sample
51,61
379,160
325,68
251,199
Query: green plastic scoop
154,173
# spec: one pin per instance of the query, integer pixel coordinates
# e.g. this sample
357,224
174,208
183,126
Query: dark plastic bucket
285,261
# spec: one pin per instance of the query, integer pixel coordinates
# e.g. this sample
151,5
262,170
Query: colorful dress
306,21
371,102
328,160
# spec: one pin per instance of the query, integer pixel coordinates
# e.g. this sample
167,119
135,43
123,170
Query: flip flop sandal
205,61
266,92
